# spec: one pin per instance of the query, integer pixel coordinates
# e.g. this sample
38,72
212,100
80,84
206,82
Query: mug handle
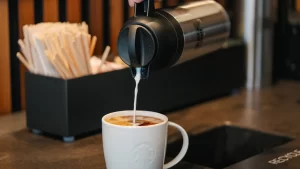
184,148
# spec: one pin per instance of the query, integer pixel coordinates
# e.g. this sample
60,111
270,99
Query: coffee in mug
128,120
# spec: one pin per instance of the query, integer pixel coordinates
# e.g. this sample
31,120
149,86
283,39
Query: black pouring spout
145,71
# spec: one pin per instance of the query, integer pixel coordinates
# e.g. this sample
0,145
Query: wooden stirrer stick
93,45
22,59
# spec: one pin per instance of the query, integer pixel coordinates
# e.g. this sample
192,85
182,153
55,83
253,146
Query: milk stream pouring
137,79
154,39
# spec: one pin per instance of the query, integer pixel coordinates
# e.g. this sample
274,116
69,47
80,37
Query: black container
69,108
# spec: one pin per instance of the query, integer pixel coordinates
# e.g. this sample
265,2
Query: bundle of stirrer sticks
58,49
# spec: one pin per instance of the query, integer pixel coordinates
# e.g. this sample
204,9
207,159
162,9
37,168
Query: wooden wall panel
158,4
74,11
116,22
96,23
131,11
5,87
51,13
298,5
26,16
172,2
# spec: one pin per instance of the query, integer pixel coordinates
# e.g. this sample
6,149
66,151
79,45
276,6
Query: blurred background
267,28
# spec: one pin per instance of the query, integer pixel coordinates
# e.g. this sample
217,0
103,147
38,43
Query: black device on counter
154,39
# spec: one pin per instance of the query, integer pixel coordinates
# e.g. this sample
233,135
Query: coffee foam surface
128,120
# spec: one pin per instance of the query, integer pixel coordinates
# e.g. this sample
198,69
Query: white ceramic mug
139,147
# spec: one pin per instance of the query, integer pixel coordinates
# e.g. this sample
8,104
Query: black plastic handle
144,9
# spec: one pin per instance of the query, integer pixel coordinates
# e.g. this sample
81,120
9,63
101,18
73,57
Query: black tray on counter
70,108
235,147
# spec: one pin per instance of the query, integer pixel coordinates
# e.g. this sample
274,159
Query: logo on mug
144,154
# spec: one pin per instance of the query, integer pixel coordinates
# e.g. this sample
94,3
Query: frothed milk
137,80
